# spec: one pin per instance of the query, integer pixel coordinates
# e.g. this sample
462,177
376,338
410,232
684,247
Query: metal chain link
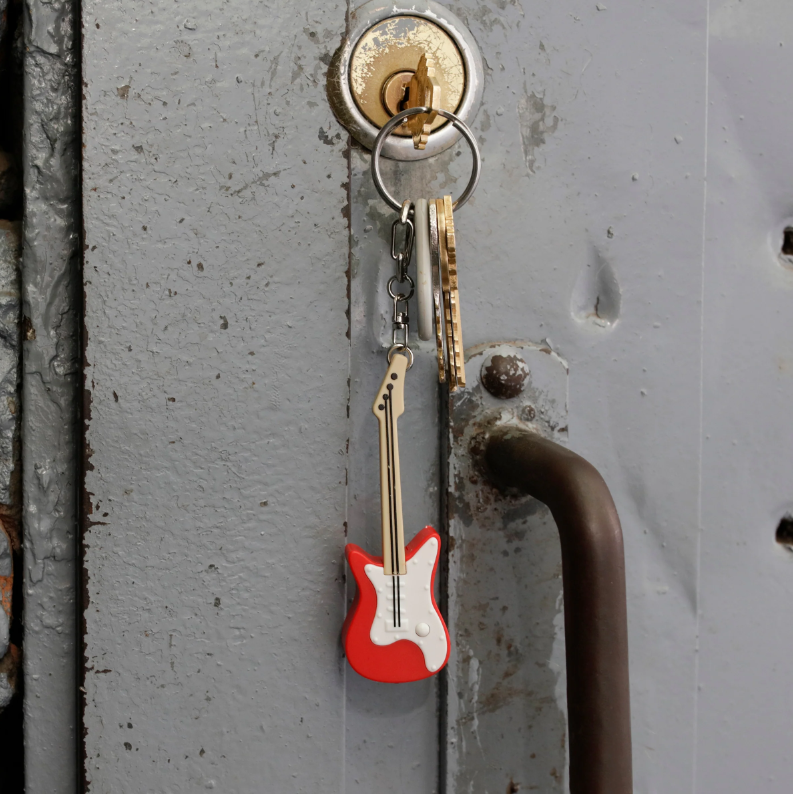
401,319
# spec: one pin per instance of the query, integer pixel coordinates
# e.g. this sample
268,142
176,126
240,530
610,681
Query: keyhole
403,103
395,92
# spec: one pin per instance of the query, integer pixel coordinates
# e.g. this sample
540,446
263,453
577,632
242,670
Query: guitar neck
388,406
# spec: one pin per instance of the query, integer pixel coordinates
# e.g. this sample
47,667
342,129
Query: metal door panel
745,577
230,374
507,712
217,366
592,128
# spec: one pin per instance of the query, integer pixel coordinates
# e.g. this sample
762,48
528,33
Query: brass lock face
385,59
377,59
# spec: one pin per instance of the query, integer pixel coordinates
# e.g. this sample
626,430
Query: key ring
394,122
399,295
402,349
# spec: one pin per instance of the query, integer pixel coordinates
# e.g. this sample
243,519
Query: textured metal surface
746,579
50,382
598,132
586,232
592,196
217,355
506,673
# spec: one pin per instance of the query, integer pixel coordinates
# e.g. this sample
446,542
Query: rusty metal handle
595,613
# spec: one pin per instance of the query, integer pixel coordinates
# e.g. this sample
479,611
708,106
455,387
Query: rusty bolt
504,376
527,413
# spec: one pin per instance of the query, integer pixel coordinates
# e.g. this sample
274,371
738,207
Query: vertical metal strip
444,450
50,383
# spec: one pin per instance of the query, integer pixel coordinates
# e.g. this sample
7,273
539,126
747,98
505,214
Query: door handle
595,611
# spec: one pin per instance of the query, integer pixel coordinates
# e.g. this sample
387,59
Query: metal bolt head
527,413
504,376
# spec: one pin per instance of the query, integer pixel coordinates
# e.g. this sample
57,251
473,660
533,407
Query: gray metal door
629,229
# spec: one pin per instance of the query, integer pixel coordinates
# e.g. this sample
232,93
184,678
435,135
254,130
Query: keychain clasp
402,258
400,320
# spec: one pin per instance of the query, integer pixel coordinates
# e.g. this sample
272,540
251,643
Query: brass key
424,90
446,293
453,322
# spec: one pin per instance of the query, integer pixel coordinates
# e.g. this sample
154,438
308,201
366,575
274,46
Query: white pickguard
417,614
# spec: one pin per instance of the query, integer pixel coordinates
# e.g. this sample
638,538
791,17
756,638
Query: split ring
399,295
394,122
404,350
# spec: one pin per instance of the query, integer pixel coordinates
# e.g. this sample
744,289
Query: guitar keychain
394,631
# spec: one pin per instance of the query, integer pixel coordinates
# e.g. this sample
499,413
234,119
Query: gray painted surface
50,382
586,231
216,296
588,200
507,712
745,579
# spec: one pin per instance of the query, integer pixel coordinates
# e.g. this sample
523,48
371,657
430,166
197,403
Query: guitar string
394,519
390,501
391,506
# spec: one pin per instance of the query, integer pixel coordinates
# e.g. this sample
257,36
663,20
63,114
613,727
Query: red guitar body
394,632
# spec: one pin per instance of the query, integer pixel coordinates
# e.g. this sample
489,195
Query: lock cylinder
371,73
384,62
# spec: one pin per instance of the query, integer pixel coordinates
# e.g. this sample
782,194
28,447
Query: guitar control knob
422,629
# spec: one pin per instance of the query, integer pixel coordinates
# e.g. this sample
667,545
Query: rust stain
6,588
28,331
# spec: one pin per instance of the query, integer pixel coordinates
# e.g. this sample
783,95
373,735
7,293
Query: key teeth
454,335
451,240
424,90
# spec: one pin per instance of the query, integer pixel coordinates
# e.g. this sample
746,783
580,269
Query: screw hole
787,241
784,531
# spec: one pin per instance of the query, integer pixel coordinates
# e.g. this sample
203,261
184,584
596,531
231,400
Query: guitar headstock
392,389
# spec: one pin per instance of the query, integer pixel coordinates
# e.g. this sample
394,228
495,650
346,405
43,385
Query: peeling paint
537,120
50,383
505,583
